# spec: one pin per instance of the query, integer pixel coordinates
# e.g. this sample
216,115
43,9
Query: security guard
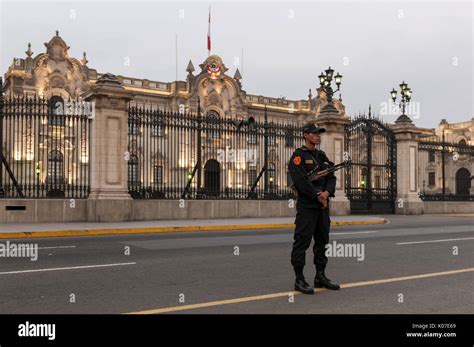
312,212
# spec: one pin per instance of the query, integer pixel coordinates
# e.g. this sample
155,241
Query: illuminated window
271,174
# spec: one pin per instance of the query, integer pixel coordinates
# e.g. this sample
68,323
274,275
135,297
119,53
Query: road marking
65,268
124,231
52,247
429,241
356,232
282,294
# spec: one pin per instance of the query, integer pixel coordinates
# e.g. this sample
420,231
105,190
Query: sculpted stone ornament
214,66
57,49
54,70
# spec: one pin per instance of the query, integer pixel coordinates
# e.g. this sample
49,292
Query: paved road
204,267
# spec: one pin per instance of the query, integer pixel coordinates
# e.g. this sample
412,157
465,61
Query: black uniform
312,221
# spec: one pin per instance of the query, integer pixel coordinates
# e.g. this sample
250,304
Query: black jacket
302,161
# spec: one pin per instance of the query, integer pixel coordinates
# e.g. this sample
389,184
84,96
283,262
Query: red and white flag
209,33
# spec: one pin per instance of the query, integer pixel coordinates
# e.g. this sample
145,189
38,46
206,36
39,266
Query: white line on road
444,240
356,232
52,247
66,268
56,247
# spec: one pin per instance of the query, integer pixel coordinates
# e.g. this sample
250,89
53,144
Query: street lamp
405,97
322,77
325,80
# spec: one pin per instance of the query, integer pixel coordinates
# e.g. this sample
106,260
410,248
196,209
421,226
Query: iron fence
44,148
173,155
435,150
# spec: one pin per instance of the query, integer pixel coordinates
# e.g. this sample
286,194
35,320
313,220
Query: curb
460,215
160,230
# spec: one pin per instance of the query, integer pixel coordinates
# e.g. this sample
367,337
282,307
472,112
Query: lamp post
38,173
405,97
325,81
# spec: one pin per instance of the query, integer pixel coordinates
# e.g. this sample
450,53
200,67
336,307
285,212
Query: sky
279,47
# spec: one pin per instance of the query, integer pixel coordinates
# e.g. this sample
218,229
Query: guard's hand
325,194
323,199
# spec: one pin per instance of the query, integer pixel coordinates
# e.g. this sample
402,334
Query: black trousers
311,223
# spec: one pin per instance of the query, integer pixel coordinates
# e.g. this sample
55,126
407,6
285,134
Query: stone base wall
109,210
433,207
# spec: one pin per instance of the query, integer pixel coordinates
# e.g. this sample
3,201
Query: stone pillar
408,186
332,143
109,199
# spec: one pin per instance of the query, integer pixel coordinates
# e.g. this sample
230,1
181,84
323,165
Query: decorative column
332,143
408,201
109,199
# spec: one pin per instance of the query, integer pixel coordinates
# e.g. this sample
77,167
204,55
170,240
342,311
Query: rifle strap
314,158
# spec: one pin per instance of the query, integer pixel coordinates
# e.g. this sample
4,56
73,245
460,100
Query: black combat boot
321,281
302,286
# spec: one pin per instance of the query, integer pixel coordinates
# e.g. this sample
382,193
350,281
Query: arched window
462,142
463,181
211,125
212,177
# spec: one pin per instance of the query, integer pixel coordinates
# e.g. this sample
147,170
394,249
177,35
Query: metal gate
370,183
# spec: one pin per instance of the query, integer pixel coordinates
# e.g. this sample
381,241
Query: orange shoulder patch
297,160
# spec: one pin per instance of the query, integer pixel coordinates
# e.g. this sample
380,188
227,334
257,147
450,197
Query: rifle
317,173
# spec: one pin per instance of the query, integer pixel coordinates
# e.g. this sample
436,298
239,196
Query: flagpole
209,33
176,45
242,64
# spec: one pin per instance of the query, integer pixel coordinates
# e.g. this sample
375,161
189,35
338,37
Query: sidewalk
27,230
